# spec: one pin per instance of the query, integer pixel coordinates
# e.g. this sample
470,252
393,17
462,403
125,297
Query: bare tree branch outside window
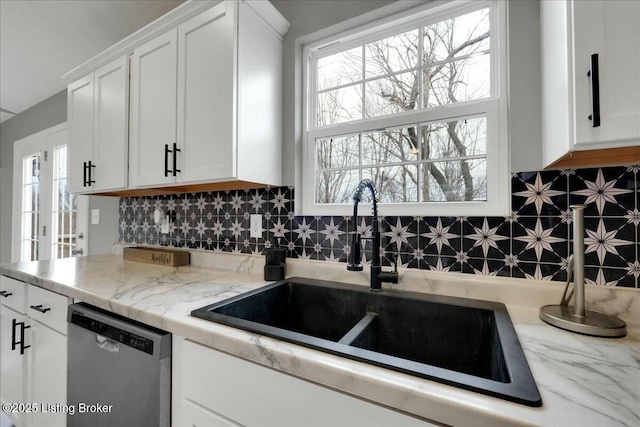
432,66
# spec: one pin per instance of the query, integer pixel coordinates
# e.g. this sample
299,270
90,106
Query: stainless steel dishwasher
119,370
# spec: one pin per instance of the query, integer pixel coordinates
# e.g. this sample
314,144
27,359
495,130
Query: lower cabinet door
47,376
197,416
253,395
12,363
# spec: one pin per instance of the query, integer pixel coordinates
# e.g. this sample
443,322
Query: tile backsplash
532,242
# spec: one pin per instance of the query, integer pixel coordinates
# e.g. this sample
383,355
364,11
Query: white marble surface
583,380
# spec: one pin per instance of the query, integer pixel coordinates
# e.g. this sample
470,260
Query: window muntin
426,162
411,102
439,64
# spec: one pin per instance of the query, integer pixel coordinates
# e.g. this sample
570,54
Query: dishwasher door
119,371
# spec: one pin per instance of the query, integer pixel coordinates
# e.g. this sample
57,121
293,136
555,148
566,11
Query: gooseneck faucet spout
377,275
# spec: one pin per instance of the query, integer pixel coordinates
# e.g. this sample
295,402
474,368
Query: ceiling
40,40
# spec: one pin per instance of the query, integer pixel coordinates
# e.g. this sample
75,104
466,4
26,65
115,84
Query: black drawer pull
39,308
5,294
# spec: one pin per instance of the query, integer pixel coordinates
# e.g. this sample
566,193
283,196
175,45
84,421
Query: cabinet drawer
48,308
14,294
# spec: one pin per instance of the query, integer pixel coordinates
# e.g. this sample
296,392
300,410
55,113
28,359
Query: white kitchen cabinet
206,100
33,351
205,95
13,321
12,363
80,132
47,375
153,111
98,113
214,388
195,415
571,33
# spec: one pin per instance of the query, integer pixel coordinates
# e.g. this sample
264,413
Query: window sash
493,108
487,109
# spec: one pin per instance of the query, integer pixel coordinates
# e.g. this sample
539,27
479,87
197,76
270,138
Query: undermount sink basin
461,342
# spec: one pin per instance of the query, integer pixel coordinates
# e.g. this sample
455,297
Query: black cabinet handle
176,150
39,308
595,91
166,160
84,174
15,343
89,167
5,294
14,323
22,346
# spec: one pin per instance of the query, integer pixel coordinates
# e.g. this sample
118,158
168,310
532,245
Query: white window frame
495,108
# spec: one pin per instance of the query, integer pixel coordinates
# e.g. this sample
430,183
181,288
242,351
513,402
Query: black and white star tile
534,241
605,191
539,193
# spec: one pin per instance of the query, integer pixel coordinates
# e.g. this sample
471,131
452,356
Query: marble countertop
582,380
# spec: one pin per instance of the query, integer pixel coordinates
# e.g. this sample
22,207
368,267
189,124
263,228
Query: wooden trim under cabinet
594,158
192,188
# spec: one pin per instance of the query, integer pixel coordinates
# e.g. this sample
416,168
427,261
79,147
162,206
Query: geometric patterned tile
539,193
604,191
533,242
541,239
440,235
486,237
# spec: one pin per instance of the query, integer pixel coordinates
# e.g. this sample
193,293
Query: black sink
318,311
458,338
462,342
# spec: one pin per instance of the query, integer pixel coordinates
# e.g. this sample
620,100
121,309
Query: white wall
525,116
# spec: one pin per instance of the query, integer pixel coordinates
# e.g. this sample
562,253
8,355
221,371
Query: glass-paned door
64,208
49,222
30,211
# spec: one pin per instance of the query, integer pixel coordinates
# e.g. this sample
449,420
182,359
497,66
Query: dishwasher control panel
116,334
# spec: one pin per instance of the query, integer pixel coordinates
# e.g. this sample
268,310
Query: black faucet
377,275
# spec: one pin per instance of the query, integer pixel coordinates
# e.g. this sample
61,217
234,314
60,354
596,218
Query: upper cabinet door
206,96
610,29
153,112
111,127
80,126
98,129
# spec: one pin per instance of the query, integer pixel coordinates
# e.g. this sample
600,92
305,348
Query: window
414,103
48,220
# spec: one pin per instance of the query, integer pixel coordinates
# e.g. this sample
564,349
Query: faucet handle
396,255
390,276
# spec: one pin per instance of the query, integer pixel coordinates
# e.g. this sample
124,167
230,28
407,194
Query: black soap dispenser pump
274,267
